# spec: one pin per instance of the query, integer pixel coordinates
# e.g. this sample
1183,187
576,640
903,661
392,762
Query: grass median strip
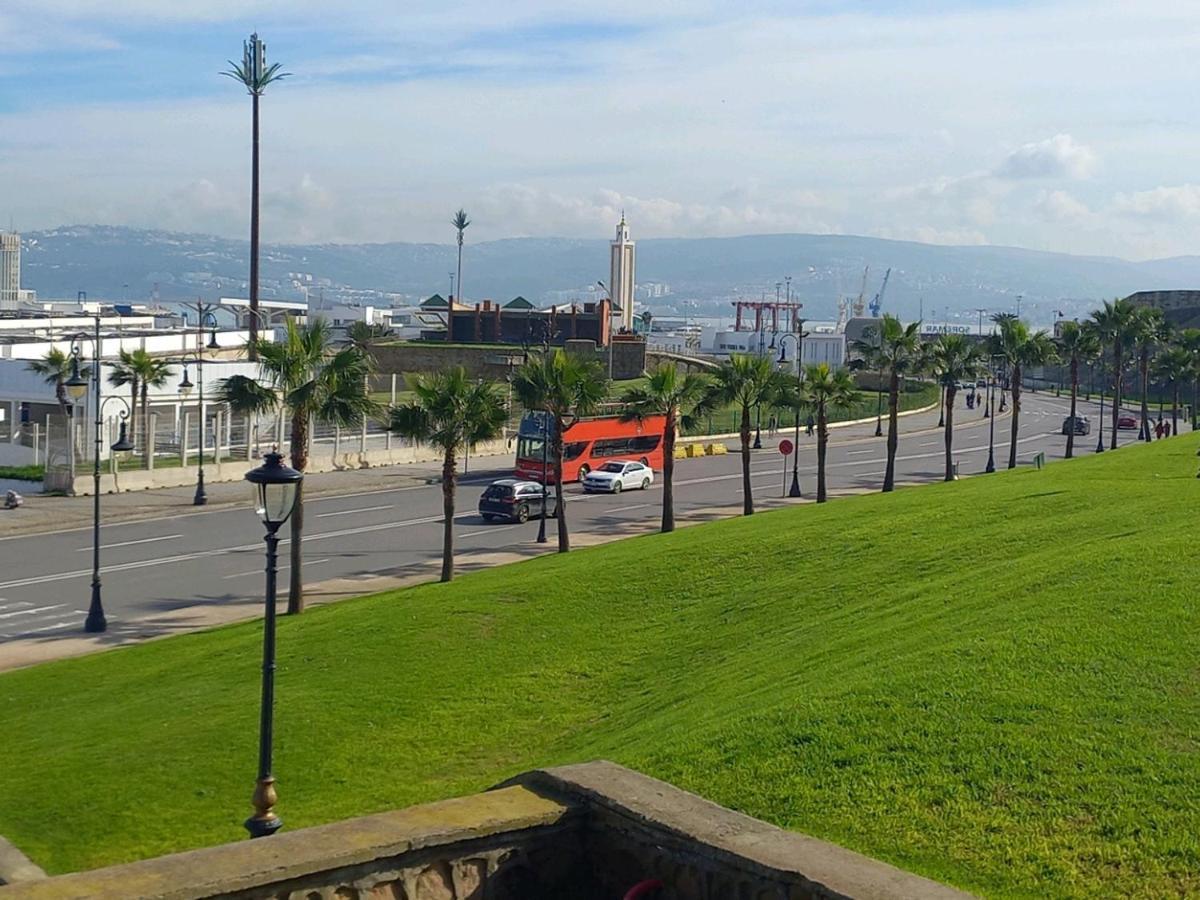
990,682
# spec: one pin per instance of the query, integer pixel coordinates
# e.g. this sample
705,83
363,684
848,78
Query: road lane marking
627,508
307,562
859,452
492,530
29,612
165,537
18,605
348,512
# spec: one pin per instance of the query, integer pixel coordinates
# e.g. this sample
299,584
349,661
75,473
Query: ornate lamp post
207,320
541,535
794,490
277,486
77,386
991,463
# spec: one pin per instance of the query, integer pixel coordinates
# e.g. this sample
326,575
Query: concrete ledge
263,867
15,866
735,841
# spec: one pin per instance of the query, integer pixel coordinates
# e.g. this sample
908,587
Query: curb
15,866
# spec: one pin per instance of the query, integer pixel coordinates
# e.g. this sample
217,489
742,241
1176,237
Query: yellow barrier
681,451
716,449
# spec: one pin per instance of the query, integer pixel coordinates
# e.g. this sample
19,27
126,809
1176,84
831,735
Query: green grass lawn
994,682
23,473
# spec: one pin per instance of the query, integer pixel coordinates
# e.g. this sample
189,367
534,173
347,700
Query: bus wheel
645,462
583,471
522,513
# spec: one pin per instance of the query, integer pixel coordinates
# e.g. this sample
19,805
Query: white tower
620,275
10,270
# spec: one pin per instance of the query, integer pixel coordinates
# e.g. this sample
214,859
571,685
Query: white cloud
1166,203
1060,206
1056,157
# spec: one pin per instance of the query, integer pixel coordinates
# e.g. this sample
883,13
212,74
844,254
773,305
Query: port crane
877,303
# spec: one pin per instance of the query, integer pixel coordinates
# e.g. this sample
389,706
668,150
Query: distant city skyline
1057,126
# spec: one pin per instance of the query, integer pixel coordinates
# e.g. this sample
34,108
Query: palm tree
147,371
1021,349
745,382
953,359
1149,329
55,368
676,397
453,412
245,397
1171,367
822,390
313,380
1114,323
460,223
1189,340
122,373
899,353
565,388
253,74
1076,343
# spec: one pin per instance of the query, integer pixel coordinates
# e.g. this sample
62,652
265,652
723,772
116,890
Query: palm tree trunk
1143,371
299,463
1015,391
564,538
893,437
1116,407
448,484
668,509
747,494
1074,395
822,447
948,437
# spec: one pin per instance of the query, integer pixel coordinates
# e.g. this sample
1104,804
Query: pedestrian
809,425
1166,429
1158,429
771,424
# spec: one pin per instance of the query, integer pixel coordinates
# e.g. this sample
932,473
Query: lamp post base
264,822
991,463
794,490
201,497
878,428
757,439
95,621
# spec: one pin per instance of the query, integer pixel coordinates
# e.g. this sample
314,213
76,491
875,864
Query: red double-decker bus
587,444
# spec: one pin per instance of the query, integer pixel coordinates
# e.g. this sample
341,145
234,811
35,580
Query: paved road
163,574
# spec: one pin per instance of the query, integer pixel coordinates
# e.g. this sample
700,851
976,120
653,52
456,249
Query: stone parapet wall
581,832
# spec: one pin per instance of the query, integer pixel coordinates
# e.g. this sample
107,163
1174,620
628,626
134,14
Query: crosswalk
20,619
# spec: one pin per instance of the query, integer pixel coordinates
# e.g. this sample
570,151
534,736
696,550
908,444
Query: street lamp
991,463
541,535
205,319
1100,437
758,426
794,491
277,485
879,389
77,386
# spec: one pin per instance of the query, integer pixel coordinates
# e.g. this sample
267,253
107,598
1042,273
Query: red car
1127,423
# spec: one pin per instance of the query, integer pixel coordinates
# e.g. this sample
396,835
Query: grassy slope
1004,698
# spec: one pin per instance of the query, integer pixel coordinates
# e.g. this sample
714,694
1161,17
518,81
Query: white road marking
165,537
307,562
491,530
29,612
348,512
18,605
627,508
860,452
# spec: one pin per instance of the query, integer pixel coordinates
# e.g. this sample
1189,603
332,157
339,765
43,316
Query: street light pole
541,535
1100,438
879,390
991,462
794,490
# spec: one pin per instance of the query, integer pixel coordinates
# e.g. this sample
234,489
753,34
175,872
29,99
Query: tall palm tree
1076,343
460,223
254,74
822,390
451,411
1021,349
899,349
245,397
1189,340
121,374
1172,367
676,397
314,381
150,371
55,368
1149,329
1114,323
565,388
953,359
745,382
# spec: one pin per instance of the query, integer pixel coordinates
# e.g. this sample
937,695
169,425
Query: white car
616,475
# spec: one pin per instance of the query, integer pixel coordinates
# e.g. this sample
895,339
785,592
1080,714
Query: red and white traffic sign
785,447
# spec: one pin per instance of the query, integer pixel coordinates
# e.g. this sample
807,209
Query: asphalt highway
158,567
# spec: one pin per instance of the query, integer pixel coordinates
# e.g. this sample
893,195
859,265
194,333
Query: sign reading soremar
785,447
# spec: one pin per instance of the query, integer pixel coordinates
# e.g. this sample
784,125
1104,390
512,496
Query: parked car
514,500
1082,425
1126,423
981,383
618,474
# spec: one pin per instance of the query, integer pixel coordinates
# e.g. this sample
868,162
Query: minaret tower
620,283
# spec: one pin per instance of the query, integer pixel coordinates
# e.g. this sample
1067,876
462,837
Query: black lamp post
277,486
541,535
991,463
758,426
1100,436
77,387
879,390
794,490
205,320
942,406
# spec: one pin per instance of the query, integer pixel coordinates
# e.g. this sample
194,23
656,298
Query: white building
10,270
818,346
621,274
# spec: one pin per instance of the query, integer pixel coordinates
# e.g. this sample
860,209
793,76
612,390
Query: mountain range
704,274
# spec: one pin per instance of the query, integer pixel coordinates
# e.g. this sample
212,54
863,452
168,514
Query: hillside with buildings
686,276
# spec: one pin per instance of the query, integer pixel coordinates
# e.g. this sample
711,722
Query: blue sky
1062,125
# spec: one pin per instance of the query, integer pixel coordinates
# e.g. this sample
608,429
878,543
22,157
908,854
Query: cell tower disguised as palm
460,223
255,74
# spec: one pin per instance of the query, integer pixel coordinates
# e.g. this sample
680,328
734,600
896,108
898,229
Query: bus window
610,447
645,443
574,449
529,448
